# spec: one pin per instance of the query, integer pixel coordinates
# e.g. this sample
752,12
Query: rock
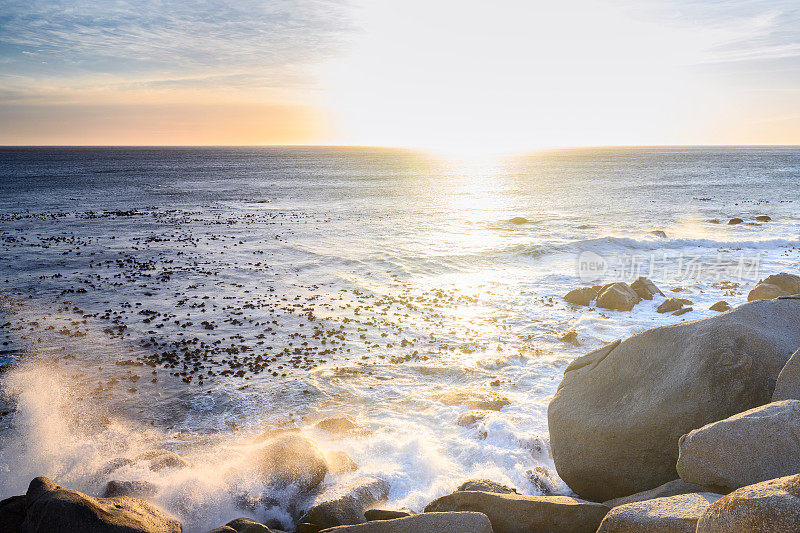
53,509
714,221
682,311
671,488
768,507
763,218
583,295
349,508
222,529
776,285
571,337
340,463
382,514
617,296
341,425
756,445
291,459
672,304
518,220
645,289
473,399
515,513
673,514
247,525
788,385
486,485
661,234
542,480
721,306
304,527
466,522
140,489
618,413
470,418
160,459
734,221
12,513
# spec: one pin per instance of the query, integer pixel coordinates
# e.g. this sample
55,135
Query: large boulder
427,522
291,459
12,513
486,485
673,514
671,488
247,525
768,507
515,513
618,413
53,509
776,285
348,507
645,289
788,385
617,296
756,445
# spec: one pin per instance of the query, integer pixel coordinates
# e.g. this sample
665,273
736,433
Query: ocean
190,299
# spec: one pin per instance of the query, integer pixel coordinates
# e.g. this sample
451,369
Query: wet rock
518,220
340,463
735,221
12,513
486,485
466,522
571,337
542,481
763,218
470,418
672,304
160,459
53,509
661,234
720,306
618,413
617,296
673,514
140,489
671,488
645,289
583,295
291,459
768,507
515,513
682,311
473,399
341,425
222,529
384,514
788,385
348,508
247,525
756,445
776,285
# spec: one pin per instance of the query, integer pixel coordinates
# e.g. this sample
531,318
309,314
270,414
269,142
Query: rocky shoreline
691,427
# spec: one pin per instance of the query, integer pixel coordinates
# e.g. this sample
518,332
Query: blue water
190,298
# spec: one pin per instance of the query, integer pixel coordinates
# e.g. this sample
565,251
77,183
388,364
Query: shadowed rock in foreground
427,522
620,410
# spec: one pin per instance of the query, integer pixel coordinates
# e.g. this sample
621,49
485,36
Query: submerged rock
671,488
348,508
756,445
735,221
470,418
661,234
673,514
776,285
341,425
518,220
768,507
291,459
467,522
645,289
788,385
618,413
515,513
486,485
583,295
53,509
473,399
617,296
763,218
571,337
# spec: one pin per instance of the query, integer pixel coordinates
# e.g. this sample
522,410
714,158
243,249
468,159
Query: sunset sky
452,76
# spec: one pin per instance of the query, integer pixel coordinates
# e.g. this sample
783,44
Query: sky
453,76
